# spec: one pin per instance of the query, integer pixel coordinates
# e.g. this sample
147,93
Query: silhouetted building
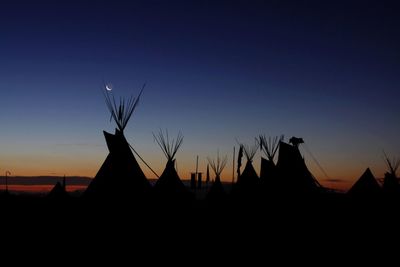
193,181
199,180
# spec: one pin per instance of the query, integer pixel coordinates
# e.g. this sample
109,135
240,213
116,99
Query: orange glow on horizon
39,188
342,178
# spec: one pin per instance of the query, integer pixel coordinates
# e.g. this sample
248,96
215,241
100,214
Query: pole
197,167
137,154
233,166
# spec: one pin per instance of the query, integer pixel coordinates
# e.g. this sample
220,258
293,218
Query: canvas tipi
120,176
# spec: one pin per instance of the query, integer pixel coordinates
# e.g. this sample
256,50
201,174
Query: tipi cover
293,174
120,175
366,185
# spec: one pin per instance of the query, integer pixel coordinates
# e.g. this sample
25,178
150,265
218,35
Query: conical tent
247,185
293,174
366,185
267,170
169,185
391,182
249,177
58,192
270,147
217,191
169,181
120,176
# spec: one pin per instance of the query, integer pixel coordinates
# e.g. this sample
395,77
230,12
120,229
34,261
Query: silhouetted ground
253,232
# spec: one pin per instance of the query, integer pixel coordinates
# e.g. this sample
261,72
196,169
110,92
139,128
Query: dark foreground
254,231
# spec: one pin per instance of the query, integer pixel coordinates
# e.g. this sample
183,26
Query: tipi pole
137,154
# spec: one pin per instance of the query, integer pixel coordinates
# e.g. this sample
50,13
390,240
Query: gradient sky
218,71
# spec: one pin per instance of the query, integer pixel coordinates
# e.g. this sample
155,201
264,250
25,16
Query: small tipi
59,191
249,177
269,146
366,185
391,182
217,191
247,185
120,176
169,185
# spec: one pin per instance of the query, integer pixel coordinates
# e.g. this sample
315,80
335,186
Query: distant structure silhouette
120,176
59,191
193,181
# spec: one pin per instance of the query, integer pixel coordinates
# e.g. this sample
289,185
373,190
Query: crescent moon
108,88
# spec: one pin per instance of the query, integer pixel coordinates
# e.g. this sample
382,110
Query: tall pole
197,169
197,165
233,166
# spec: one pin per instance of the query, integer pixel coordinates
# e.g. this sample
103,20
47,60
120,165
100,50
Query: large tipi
120,176
293,174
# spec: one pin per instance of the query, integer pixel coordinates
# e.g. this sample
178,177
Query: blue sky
218,71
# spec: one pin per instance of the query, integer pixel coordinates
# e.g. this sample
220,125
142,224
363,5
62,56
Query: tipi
366,185
247,185
217,191
249,177
268,168
120,176
391,182
293,174
59,191
169,186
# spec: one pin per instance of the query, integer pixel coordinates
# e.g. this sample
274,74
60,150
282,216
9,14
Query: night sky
218,71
